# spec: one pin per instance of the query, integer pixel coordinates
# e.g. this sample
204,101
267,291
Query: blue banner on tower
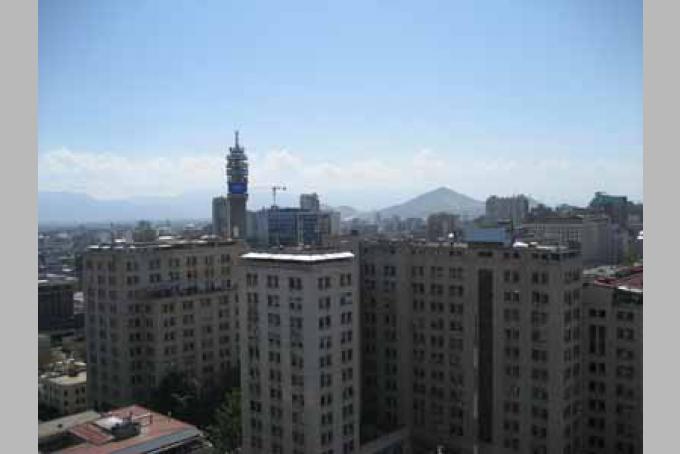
238,188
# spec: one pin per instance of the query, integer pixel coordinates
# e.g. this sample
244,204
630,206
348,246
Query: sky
367,103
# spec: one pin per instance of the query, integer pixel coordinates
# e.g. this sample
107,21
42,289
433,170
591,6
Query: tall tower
237,182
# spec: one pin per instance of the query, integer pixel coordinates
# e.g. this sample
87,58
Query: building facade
613,362
300,373
475,349
441,225
155,308
64,388
55,302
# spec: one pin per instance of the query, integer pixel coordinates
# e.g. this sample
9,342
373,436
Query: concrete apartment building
220,216
300,373
152,308
441,225
475,348
612,307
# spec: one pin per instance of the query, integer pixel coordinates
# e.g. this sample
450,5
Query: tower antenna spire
236,137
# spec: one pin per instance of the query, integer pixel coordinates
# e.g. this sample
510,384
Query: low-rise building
129,430
64,389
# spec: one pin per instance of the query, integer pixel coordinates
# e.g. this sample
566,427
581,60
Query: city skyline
544,101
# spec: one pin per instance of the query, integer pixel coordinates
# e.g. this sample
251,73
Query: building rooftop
164,243
623,278
307,257
66,379
56,426
128,430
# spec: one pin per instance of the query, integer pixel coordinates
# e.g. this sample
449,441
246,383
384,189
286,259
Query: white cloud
368,182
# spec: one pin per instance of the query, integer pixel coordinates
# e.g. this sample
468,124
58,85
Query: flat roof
68,379
157,431
56,426
298,258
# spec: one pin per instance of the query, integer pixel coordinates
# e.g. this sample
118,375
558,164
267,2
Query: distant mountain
68,207
439,200
346,212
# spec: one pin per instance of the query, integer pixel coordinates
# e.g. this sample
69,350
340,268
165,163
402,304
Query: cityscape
277,317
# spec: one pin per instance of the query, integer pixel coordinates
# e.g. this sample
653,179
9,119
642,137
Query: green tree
176,395
225,432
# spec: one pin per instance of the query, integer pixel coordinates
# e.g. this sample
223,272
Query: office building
237,182
293,227
475,348
129,430
612,308
55,302
310,202
300,370
155,308
220,216
513,209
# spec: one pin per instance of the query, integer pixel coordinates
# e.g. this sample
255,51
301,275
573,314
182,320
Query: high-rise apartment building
155,308
473,348
237,182
612,307
300,374
513,209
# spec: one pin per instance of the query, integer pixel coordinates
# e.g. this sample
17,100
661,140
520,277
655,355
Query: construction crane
274,189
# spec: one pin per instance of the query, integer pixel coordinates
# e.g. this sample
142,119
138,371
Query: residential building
155,308
129,430
300,374
514,209
612,361
64,388
472,347
55,302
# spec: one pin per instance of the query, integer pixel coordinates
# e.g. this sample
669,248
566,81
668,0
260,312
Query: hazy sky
365,102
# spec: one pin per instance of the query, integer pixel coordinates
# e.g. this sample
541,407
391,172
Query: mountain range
74,208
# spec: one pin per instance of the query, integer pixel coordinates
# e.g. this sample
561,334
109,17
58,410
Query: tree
225,432
177,395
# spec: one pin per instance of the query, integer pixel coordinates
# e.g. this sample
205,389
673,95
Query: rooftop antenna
236,138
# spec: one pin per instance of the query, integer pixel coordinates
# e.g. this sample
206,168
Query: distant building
441,225
514,209
55,302
613,367
129,430
310,202
600,241
616,207
237,182
144,233
156,308
220,216
65,388
300,354
293,227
